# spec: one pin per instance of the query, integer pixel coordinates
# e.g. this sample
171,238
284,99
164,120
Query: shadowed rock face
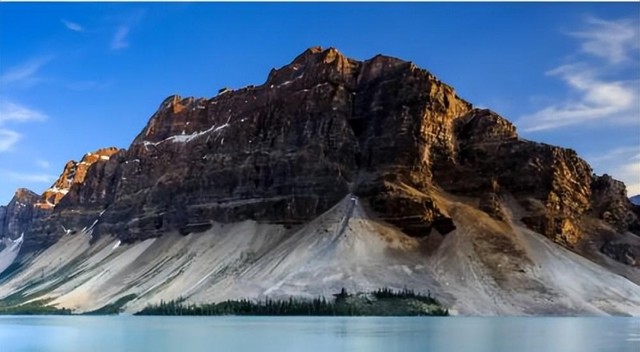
318,129
17,216
611,204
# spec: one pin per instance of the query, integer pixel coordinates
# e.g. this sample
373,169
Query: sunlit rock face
73,173
320,128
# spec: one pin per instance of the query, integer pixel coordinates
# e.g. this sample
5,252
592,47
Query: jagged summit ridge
73,173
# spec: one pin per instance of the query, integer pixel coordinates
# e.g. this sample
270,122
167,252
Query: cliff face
34,214
286,151
320,128
73,173
552,183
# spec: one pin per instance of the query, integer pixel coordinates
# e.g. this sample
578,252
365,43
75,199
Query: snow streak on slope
483,267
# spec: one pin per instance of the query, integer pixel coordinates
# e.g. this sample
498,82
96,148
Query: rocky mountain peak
73,173
18,214
24,195
315,66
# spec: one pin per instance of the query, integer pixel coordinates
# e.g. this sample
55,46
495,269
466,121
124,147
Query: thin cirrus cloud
11,112
610,40
14,112
595,96
25,73
8,139
73,26
598,99
119,40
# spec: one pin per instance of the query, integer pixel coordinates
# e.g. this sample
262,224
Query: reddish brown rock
73,173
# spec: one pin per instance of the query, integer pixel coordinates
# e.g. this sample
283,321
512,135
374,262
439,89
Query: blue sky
77,77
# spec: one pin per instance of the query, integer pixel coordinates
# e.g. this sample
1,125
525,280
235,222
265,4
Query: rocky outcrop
18,215
491,204
610,203
73,173
320,128
553,183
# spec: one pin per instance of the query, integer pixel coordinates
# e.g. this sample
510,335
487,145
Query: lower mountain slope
483,267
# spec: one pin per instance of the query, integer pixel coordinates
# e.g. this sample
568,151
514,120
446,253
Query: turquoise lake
310,334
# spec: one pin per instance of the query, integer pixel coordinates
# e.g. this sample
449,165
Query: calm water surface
311,334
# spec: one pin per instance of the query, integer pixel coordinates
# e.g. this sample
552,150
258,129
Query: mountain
635,199
333,173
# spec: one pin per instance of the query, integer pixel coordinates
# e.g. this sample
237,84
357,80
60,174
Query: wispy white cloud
72,26
127,22
43,164
8,139
25,73
119,40
623,163
597,99
593,95
30,177
614,40
11,112
628,153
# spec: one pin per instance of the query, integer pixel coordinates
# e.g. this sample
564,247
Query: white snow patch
186,138
57,190
291,81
